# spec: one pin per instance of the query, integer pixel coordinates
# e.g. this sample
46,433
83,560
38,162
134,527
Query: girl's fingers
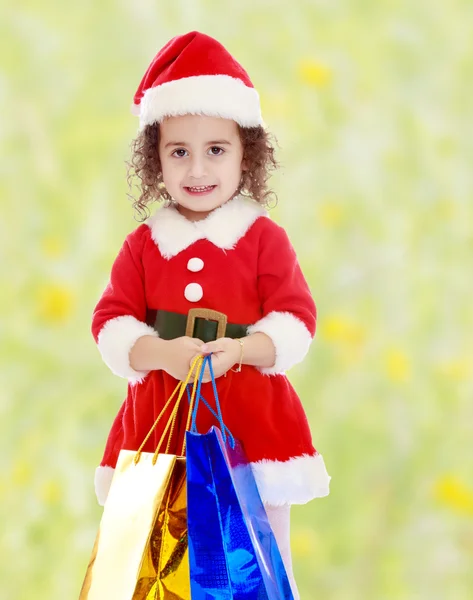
215,346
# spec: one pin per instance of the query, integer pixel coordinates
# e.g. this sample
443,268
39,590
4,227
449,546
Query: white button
195,265
193,292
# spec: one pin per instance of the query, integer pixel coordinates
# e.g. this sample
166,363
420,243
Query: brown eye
216,151
179,153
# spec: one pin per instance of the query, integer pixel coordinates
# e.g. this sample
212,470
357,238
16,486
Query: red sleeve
289,313
119,317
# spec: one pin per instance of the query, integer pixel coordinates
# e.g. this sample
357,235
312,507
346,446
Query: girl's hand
225,353
179,354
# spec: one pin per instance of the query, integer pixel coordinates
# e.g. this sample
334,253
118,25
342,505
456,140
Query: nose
197,168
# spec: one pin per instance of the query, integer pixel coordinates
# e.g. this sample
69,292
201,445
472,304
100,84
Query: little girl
212,247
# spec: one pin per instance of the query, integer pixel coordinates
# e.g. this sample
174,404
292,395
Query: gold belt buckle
209,315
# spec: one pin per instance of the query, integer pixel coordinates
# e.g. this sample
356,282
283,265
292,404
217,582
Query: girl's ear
244,166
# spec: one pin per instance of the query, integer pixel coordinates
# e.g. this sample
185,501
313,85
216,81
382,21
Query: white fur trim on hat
290,337
115,340
212,95
223,227
295,481
103,481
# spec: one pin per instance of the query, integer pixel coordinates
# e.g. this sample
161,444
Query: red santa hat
195,74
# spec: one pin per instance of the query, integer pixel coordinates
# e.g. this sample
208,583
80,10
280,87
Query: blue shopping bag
233,553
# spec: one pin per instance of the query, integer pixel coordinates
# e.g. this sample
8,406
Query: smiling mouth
200,189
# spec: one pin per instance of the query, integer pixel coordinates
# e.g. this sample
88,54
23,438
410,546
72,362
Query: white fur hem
295,481
290,337
115,340
103,481
212,95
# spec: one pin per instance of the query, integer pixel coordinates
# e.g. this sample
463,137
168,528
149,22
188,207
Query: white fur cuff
115,340
295,481
290,337
103,481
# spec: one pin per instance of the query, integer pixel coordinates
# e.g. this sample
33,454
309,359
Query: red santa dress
239,262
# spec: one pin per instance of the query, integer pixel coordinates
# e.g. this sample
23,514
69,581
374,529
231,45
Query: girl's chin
197,210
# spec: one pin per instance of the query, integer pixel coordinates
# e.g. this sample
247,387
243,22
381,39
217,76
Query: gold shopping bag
141,548
165,569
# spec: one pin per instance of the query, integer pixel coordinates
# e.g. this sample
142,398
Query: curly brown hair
258,152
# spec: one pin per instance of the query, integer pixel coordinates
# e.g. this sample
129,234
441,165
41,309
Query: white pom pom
135,109
193,292
195,264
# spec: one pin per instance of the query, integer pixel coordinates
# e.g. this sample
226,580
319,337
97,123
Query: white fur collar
224,226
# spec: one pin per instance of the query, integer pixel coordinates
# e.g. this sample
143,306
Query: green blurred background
371,102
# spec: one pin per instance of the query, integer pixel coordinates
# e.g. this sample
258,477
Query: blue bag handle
207,361
218,415
211,410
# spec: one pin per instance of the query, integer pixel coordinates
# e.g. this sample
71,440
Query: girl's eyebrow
211,143
174,144
219,142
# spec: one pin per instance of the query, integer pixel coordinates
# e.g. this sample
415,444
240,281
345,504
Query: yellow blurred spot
454,494
397,365
446,208
275,104
52,246
392,159
50,492
303,543
22,473
339,329
456,369
55,302
447,145
314,73
330,214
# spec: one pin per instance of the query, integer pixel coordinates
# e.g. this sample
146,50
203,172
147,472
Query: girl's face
201,159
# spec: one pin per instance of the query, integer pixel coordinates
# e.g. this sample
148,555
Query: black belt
202,323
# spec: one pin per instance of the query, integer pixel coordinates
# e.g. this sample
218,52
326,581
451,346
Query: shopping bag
125,562
233,553
141,549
